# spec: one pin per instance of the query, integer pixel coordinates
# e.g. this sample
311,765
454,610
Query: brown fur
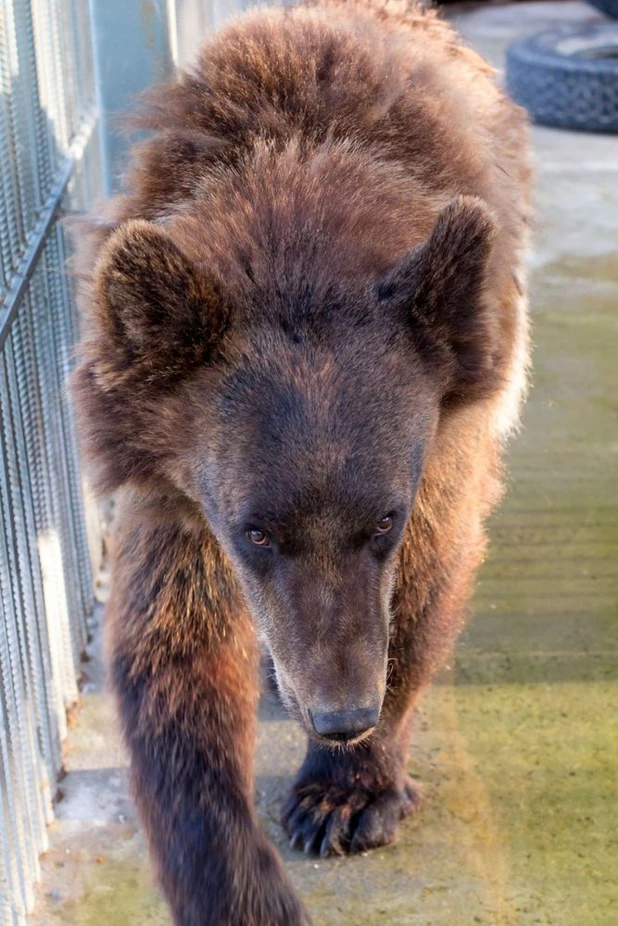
304,313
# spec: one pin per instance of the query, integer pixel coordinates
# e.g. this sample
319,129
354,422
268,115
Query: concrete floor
518,740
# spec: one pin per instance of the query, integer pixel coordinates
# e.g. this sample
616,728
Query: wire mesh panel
49,163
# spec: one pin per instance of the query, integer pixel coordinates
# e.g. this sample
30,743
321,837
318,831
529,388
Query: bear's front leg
350,799
183,667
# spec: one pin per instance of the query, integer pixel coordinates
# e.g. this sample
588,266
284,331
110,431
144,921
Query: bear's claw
329,820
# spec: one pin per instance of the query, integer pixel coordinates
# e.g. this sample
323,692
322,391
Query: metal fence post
132,42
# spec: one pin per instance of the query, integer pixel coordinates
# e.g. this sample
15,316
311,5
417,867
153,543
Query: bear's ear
158,315
442,286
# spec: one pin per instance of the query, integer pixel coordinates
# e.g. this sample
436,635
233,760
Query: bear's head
299,427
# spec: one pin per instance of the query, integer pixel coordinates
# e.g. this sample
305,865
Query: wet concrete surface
517,742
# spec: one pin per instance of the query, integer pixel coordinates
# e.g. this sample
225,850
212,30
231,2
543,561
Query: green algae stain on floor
534,683
120,894
547,757
101,878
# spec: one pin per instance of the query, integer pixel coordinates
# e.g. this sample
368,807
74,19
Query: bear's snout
346,725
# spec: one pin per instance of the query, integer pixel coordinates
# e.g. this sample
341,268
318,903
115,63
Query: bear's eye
259,538
385,524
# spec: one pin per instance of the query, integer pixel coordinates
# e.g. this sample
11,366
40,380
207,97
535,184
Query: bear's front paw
332,819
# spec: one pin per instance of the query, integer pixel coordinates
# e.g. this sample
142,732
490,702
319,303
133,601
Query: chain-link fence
48,164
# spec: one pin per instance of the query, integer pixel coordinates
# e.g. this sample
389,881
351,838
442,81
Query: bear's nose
344,725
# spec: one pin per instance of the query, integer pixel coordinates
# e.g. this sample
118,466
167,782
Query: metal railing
49,163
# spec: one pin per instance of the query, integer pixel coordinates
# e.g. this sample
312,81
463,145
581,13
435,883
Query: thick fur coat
304,344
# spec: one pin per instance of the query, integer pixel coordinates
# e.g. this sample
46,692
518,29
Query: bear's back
384,76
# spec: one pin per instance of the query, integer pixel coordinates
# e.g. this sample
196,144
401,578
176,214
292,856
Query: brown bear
304,343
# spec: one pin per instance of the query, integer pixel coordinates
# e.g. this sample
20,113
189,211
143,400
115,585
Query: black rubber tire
609,7
557,78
